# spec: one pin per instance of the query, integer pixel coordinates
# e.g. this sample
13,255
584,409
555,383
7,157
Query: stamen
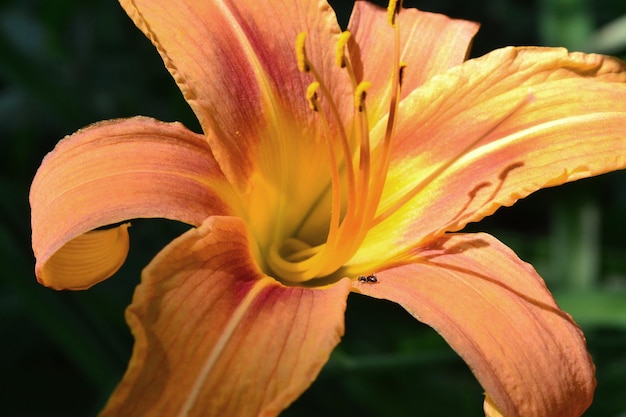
353,227
340,57
303,62
363,186
360,93
342,60
311,96
378,182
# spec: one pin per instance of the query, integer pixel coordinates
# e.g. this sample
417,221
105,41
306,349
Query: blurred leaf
565,23
594,309
610,38
575,243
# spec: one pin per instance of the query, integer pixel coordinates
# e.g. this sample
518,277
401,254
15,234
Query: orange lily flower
340,165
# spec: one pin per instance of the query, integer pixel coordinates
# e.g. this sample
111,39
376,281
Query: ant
370,279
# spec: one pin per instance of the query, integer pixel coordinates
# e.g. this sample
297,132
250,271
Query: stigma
357,174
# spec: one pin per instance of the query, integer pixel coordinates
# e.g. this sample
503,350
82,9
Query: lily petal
111,172
430,43
495,129
236,64
87,259
497,313
216,337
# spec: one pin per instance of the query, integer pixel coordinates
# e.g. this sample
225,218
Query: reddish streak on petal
497,313
117,170
214,336
235,63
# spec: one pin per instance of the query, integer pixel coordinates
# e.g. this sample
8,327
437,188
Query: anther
360,93
340,58
401,69
302,61
311,95
392,11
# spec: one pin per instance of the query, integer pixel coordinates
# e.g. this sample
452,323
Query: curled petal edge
111,172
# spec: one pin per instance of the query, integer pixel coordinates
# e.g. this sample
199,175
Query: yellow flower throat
294,261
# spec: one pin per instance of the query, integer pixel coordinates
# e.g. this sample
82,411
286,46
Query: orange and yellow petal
495,129
235,62
215,336
430,44
108,173
496,312
87,259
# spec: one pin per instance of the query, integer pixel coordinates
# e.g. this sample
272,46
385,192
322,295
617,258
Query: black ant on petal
369,279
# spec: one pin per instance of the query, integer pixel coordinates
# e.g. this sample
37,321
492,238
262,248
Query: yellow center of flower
357,177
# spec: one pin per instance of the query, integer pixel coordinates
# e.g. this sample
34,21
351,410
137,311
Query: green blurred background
67,63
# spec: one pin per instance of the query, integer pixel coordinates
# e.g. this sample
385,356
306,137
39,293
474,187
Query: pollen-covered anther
312,97
360,93
302,61
340,57
393,8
